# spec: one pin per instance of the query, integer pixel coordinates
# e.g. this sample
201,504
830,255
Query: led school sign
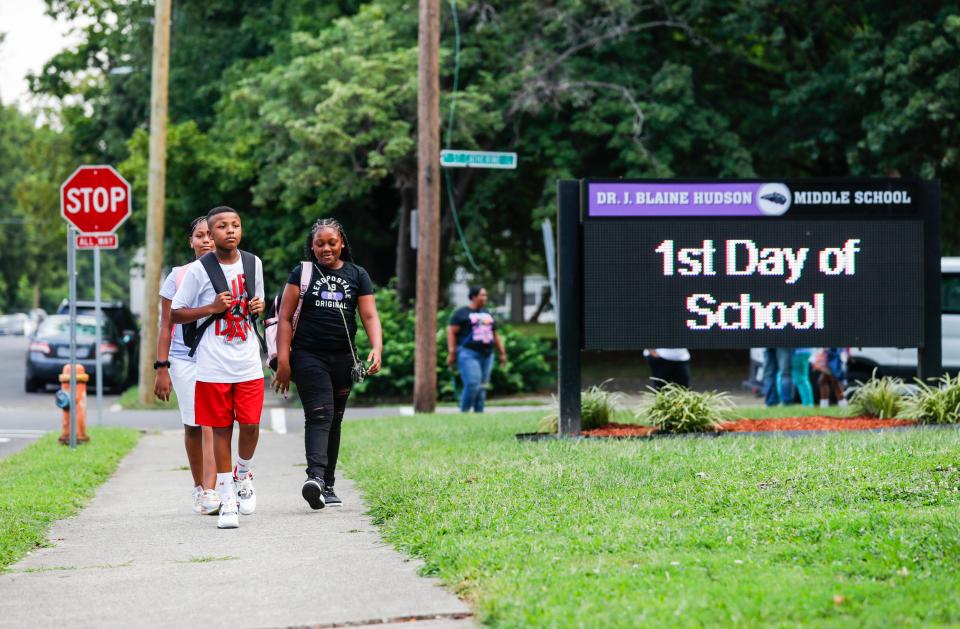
717,264
738,264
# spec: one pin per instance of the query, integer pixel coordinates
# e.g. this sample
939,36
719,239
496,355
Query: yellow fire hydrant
63,401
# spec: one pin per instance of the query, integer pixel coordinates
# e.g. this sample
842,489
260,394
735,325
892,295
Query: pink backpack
271,327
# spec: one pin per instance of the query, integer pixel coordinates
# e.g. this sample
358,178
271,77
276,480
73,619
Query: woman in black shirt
471,338
317,351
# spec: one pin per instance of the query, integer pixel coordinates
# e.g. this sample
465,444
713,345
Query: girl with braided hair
317,350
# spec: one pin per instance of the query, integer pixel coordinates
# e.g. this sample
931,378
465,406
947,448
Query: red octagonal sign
95,199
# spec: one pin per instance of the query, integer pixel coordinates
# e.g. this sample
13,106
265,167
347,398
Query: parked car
14,324
125,322
49,351
896,361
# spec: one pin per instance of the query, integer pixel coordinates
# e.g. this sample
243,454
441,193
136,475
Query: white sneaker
229,518
197,495
209,503
246,495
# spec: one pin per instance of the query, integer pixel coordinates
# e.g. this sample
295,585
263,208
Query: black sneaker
331,498
313,492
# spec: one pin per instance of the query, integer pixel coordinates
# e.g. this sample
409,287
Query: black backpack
192,332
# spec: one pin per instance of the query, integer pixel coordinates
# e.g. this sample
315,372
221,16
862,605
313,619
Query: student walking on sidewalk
471,336
219,293
316,348
177,370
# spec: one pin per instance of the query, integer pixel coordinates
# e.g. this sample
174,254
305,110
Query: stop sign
95,199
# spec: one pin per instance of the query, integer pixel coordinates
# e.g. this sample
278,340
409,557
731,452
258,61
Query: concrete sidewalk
138,556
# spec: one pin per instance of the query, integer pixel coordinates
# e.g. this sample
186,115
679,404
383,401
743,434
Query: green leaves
936,404
291,109
676,409
597,408
879,397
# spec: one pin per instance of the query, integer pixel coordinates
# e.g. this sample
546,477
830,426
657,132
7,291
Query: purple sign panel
687,199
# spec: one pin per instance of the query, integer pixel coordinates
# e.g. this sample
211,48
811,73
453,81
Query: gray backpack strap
219,282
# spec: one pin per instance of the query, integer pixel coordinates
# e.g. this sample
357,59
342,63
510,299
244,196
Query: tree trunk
406,269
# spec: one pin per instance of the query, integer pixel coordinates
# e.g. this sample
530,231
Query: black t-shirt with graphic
320,327
476,329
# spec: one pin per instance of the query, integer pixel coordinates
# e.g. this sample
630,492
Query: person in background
800,373
777,386
668,365
471,337
829,363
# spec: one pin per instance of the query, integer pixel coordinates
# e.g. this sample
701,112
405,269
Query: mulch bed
813,423
762,425
614,429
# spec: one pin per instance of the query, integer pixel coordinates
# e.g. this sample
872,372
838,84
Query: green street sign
477,159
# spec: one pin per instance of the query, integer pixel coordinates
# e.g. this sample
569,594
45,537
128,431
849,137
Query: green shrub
935,404
879,397
597,406
676,409
527,368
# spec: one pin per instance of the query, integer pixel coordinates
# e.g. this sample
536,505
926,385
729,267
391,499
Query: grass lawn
839,529
46,482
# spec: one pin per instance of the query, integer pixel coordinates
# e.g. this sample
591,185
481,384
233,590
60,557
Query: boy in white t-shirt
229,369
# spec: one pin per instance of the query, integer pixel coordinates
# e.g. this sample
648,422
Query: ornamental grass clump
882,398
935,404
597,406
676,409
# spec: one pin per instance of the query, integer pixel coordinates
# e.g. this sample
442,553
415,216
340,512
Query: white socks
225,486
243,467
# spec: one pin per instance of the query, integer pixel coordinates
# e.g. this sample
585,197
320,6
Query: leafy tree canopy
291,109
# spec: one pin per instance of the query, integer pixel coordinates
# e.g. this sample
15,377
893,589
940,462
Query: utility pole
156,192
428,204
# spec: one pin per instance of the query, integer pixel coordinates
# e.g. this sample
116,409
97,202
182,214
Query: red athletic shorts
218,404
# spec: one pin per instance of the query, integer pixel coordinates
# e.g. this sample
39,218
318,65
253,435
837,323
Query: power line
453,111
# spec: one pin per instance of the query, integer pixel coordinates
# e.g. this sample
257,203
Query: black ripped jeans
323,383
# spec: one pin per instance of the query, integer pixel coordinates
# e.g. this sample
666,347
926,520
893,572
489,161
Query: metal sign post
72,272
569,313
95,201
99,316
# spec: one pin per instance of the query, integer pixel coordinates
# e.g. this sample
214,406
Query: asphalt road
26,416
